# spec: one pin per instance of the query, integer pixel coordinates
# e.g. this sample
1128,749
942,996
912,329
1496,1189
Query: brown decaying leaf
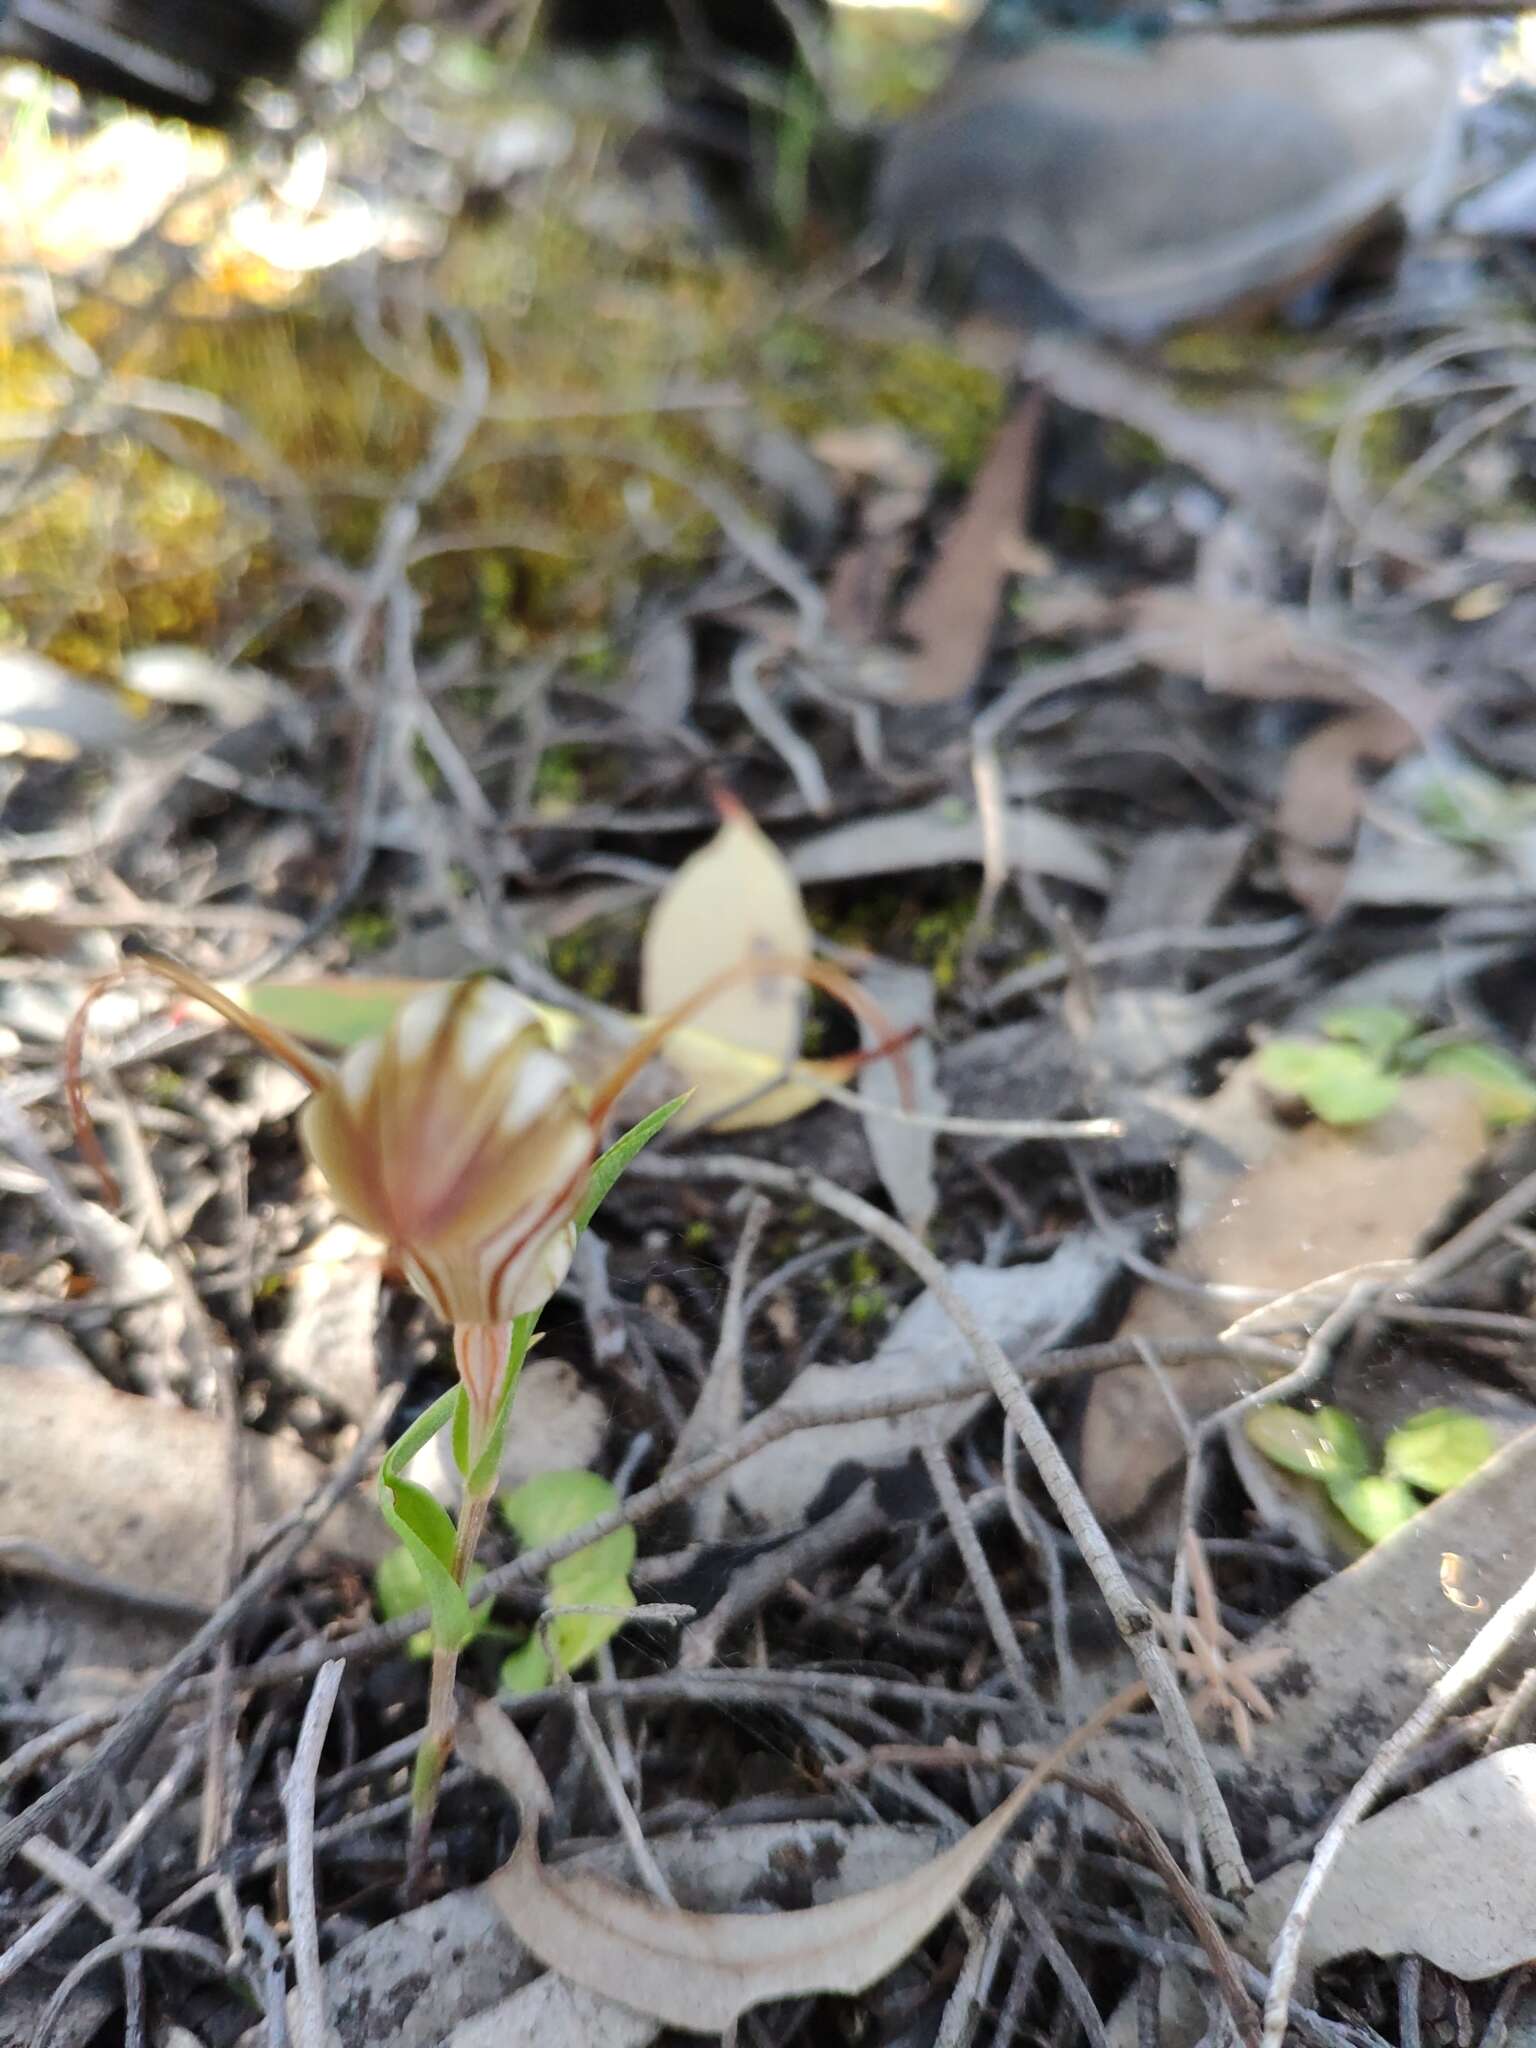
701,1971
950,616
1320,800
1297,1204
1245,648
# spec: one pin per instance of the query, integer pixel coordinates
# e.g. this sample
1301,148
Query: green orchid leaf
398,1588
1374,1505
1438,1449
1339,1083
425,1528
613,1162
1505,1090
1320,1443
1376,1028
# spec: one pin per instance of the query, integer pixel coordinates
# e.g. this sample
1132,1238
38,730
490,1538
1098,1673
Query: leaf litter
1033,650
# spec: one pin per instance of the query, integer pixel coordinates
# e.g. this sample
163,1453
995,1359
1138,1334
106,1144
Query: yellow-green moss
127,545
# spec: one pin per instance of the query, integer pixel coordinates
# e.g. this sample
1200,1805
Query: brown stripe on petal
555,1213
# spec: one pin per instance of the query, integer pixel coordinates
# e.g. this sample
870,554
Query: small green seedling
1429,1454
594,1579
1475,810
1353,1074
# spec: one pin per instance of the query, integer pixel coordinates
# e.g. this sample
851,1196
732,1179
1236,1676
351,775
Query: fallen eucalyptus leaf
700,1972
445,1975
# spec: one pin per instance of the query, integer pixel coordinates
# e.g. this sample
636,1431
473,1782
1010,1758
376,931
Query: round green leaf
1375,1505
1323,1443
1505,1092
1339,1083
1376,1028
552,1505
1438,1449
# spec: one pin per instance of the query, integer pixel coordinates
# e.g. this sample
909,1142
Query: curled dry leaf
733,900
701,1971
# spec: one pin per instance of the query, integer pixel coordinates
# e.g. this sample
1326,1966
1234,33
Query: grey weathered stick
1497,1635
310,2026
56,1917
1131,1615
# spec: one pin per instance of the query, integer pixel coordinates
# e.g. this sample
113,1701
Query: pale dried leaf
1022,1306
551,2013
701,1971
396,1968
732,901
903,1152
947,831
326,1346
125,1486
1444,1874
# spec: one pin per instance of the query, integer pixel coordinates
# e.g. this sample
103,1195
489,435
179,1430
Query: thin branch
310,2030
1132,1617
1493,1639
147,1715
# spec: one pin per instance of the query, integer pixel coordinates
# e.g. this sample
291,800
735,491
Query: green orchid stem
442,1704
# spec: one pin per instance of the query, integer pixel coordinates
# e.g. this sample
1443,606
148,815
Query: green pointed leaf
1375,1505
1321,1443
1339,1083
1438,1449
1505,1091
424,1527
619,1154
1376,1028
419,1435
